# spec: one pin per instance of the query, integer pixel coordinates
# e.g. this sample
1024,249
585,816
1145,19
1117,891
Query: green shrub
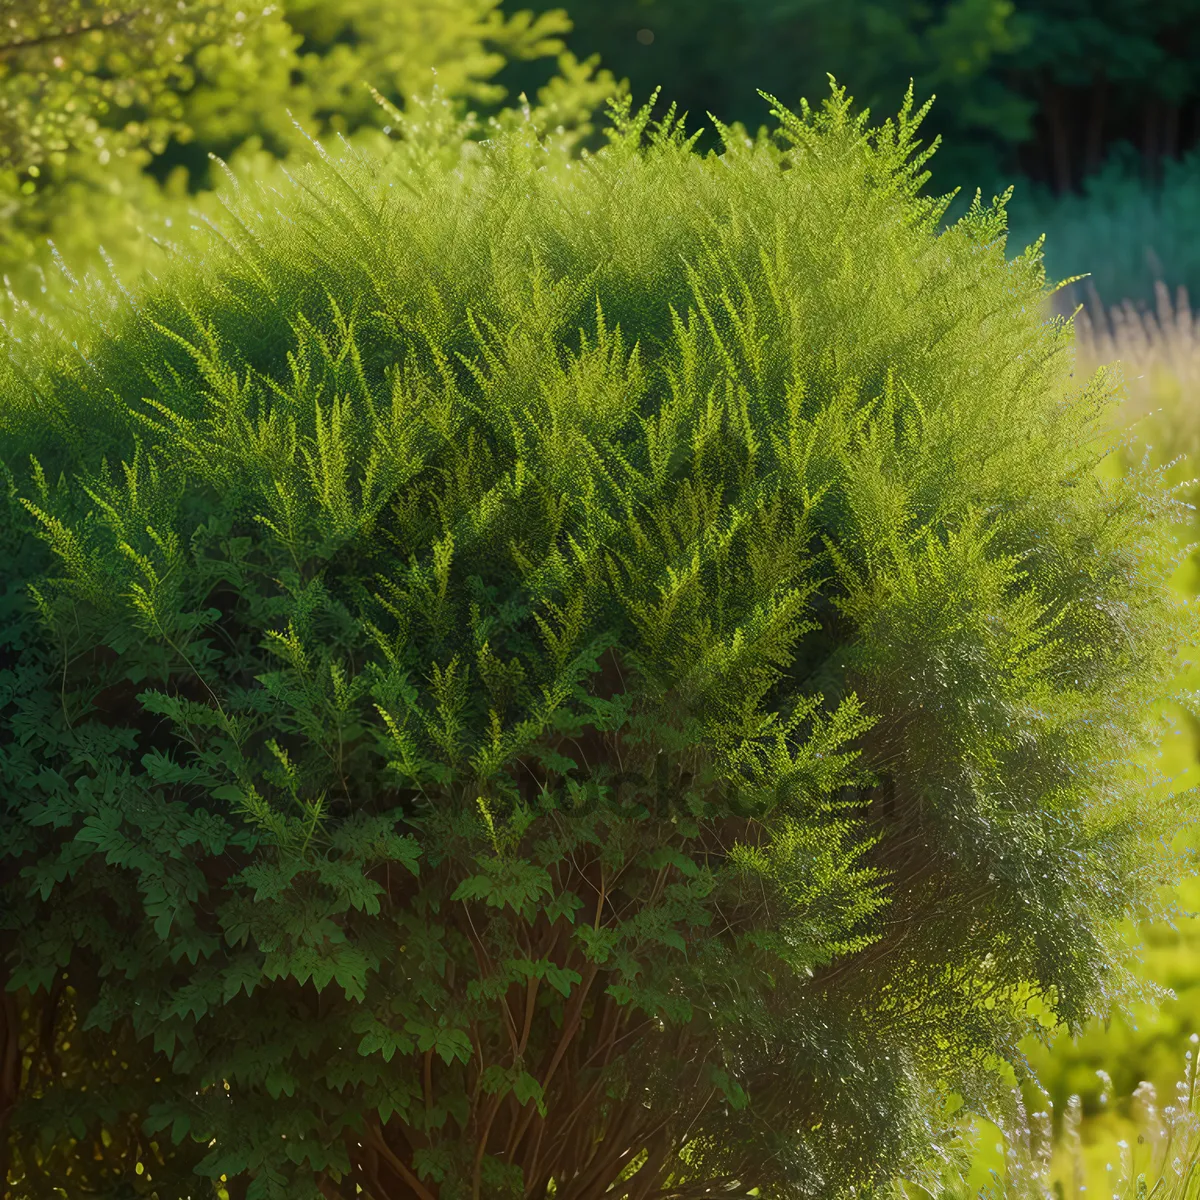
526,677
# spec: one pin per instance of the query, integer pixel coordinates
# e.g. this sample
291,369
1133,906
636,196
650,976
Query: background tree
109,111
1041,88
1102,74
950,48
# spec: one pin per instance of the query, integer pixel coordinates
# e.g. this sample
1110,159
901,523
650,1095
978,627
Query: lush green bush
1097,1084
539,677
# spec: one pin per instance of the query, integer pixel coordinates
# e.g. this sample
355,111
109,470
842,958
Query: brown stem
536,1183
375,1133
600,897
607,1042
481,1149
484,965
605,1169
530,1003
702,1189
328,1188
570,1027
645,1179
615,1016
602,1174
562,1128
10,1072
621,1140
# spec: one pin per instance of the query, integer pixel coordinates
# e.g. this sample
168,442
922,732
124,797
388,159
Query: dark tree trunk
1171,131
1094,145
1150,138
1060,149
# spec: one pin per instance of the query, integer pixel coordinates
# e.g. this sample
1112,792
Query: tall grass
1160,355
1136,1150
1150,1151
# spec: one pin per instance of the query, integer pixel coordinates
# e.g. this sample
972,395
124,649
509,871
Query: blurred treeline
1044,89
110,109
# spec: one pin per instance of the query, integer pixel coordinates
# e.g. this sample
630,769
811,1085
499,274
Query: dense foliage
531,677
